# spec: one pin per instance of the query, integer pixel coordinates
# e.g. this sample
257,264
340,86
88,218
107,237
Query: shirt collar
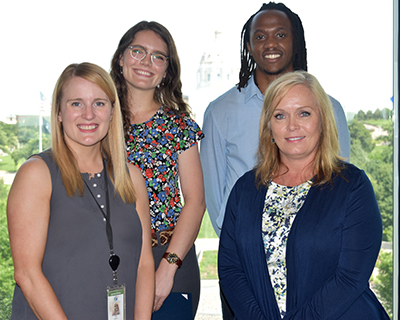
251,90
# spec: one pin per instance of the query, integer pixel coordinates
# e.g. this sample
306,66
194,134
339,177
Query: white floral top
280,208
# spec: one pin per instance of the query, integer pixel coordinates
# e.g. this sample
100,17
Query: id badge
116,302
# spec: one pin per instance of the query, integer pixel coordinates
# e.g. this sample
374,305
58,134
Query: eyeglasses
139,53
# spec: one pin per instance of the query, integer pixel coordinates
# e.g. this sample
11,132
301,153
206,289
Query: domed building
218,72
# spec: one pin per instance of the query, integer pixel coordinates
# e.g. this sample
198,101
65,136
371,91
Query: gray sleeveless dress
77,250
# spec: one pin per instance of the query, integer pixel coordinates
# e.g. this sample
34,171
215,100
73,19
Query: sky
349,44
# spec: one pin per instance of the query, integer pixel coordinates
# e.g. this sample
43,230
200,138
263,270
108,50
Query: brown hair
169,93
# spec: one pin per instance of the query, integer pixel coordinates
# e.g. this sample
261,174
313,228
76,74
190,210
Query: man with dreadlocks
272,44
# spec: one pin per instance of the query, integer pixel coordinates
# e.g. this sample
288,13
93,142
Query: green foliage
3,141
377,114
380,171
26,134
358,156
360,115
29,145
380,123
377,161
359,133
386,114
3,191
208,265
6,263
22,140
8,139
21,154
7,164
384,281
369,115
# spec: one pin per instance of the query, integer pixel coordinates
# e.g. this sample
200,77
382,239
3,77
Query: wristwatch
172,258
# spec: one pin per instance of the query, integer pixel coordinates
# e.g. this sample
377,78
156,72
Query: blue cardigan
331,252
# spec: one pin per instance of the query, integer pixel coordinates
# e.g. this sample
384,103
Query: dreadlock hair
169,93
248,65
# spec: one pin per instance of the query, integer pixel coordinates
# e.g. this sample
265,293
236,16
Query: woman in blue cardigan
302,230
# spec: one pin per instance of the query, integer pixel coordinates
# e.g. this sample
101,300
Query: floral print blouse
154,146
280,208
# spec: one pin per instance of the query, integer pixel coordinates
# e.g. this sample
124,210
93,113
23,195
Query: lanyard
114,259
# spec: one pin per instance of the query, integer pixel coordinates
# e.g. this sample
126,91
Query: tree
380,170
29,146
377,163
381,178
360,115
21,154
6,263
359,133
8,134
27,133
384,283
377,114
3,141
388,139
386,113
358,157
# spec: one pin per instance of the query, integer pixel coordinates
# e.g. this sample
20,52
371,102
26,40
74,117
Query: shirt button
99,196
94,185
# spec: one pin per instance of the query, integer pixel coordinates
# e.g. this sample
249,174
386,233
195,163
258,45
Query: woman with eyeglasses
161,140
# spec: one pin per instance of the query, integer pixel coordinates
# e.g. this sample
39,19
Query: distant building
218,72
216,68
11,119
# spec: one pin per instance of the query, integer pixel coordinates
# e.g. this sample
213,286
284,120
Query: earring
121,70
273,140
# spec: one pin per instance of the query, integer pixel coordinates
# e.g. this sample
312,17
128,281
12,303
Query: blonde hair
112,145
327,160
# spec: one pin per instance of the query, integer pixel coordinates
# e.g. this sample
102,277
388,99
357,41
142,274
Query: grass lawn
208,265
7,164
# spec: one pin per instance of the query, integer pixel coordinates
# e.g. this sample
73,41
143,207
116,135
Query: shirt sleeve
342,128
214,165
188,134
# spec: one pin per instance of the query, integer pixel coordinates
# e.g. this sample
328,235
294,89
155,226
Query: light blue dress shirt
231,127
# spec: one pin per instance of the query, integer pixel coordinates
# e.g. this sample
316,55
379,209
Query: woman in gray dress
76,206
